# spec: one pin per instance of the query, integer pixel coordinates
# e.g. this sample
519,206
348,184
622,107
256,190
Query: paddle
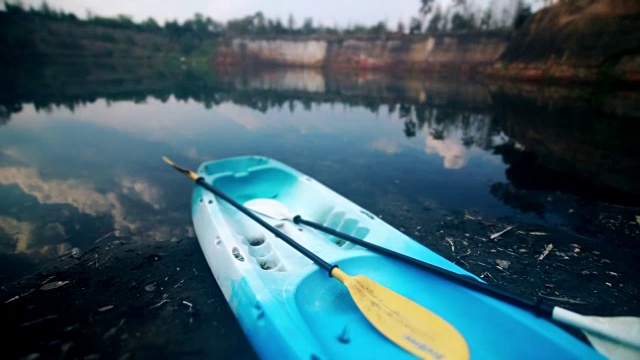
615,337
404,322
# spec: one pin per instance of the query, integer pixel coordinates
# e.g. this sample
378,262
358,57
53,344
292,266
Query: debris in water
164,300
105,308
638,219
150,287
112,331
47,280
453,248
501,232
486,273
107,235
563,299
503,264
53,285
64,348
537,233
545,252
507,251
39,320
19,296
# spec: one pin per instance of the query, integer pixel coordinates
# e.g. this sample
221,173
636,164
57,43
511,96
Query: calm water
80,164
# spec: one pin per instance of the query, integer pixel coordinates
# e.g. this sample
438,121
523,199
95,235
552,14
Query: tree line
459,15
468,15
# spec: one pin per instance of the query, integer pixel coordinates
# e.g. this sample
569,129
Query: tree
307,26
214,27
260,23
244,25
291,23
400,28
485,21
47,10
435,22
379,28
425,7
523,12
415,26
151,25
459,22
173,28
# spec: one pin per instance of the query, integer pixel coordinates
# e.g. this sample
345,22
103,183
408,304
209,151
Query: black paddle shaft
301,249
539,308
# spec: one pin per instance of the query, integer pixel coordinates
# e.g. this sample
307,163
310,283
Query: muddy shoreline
124,300
142,300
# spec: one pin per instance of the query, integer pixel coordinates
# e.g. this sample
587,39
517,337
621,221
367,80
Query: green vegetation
44,34
459,15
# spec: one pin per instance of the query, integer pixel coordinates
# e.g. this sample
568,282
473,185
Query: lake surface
80,159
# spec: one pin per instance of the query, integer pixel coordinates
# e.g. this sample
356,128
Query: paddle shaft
539,308
301,249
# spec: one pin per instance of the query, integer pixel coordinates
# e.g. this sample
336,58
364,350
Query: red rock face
423,53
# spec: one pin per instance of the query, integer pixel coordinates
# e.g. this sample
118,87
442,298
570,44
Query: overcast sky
326,12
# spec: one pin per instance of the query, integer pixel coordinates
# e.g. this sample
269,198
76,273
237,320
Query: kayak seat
246,185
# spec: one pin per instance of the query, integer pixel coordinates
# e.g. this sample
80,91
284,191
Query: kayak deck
290,308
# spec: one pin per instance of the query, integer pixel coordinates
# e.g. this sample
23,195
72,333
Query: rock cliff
426,53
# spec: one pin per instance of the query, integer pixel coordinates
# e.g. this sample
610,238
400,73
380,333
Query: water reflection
79,159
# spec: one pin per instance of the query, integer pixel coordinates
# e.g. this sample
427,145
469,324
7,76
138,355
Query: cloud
452,150
248,118
141,189
128,220
19,231
72,191
385,146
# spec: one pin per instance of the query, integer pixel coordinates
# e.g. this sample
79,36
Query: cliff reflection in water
556,140
578,141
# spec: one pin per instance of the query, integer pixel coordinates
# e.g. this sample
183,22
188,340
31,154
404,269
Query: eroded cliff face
443,52
579,40
573,40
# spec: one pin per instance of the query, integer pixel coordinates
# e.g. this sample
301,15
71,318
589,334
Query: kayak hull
289,308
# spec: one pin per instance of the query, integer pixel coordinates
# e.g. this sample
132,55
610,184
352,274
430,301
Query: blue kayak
290,309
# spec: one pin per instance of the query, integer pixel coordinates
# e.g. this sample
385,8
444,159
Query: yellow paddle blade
407,324
185,171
